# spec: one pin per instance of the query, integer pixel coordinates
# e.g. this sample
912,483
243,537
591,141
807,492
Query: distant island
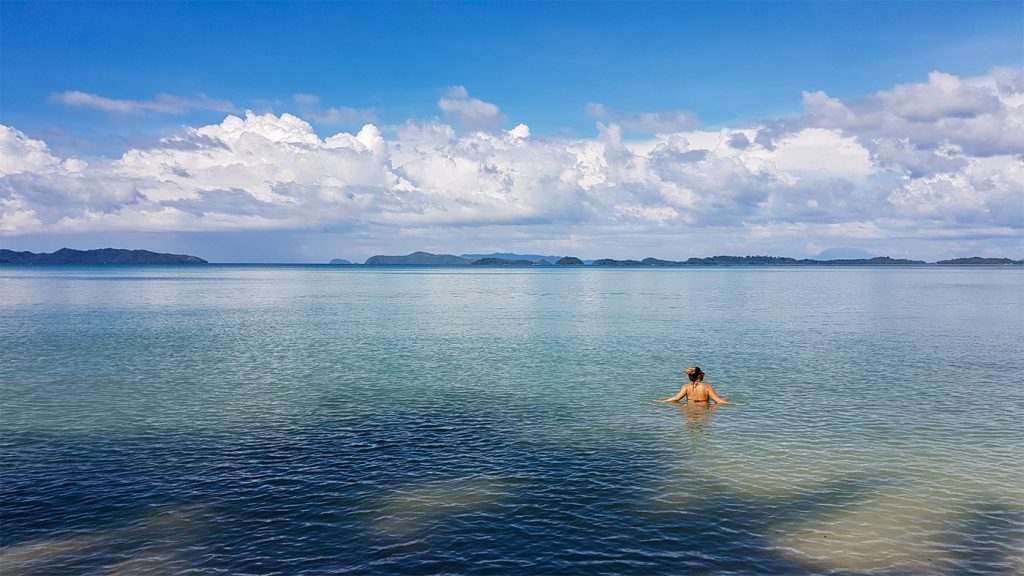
512,257
507,259
569,261
100,256
762,261
490,261
418,259
977,261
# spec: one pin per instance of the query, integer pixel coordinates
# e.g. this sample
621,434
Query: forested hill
100,256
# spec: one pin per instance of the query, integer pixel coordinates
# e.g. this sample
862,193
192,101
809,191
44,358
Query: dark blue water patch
339,494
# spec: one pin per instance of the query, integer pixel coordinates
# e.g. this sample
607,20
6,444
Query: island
507,262
784,261
100,256
509,259
418,259
979,261
535,258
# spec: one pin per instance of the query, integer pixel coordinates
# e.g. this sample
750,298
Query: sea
233,419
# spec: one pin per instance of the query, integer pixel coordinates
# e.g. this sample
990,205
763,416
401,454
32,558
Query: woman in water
696,391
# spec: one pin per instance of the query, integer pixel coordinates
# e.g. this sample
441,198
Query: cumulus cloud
160,104
983,117
19,153
846,172
473,113
944,96
648,123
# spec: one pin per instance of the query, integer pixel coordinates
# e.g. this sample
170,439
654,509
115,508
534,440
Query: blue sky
543,61
96,80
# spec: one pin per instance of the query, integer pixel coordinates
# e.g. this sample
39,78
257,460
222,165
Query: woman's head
695,374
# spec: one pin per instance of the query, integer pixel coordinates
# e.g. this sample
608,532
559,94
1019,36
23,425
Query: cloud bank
938,162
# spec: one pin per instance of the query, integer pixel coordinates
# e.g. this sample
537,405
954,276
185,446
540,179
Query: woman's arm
682,394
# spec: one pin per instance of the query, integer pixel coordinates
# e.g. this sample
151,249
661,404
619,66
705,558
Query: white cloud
470,112
160,104
36,187
944,96
822,153
848,172
19,153
982,117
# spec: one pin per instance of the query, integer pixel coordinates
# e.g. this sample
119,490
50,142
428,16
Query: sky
302,132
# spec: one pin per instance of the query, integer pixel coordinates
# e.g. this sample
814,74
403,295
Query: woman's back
698,392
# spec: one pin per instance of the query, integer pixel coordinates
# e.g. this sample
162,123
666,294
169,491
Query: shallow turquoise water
247,419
